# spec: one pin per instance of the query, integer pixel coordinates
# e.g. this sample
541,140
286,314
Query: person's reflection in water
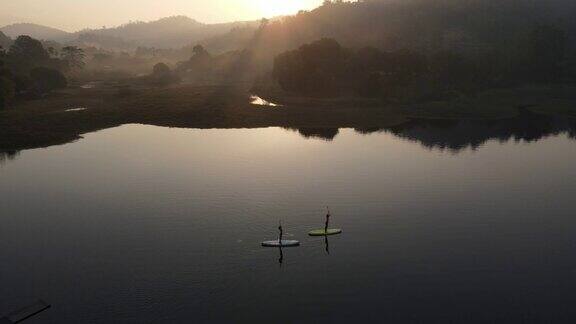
281,258
326,244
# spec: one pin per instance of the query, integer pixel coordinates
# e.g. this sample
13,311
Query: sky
74,15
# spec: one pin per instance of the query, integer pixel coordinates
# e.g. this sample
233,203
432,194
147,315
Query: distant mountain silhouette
102,41
170,32
36,31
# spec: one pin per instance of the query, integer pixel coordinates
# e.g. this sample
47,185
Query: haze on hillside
72,15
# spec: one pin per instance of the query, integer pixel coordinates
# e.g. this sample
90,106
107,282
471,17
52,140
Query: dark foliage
319,67
467,26
161,70
7,91
5,41
324,68
73,57
7,86
46,79
29,70
161,75
27,53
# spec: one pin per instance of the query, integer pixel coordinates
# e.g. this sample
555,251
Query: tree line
326,68
29,70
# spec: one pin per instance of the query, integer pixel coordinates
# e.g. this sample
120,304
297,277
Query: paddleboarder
280,235
325,230
327,220
280,242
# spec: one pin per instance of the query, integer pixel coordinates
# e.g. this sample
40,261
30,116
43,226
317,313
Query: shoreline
65,116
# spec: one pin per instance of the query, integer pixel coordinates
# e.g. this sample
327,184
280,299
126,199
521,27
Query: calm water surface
142,224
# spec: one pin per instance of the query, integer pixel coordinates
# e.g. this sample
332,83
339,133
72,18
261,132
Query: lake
443,222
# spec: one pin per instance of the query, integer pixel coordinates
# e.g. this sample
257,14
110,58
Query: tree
46,79
73,56
26,53
7,86
317,68
199,51
52,52
2,56
101,58
199,62
5,41
162,75
161,70
7,91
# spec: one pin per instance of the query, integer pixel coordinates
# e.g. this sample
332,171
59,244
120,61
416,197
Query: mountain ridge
166,32
36,31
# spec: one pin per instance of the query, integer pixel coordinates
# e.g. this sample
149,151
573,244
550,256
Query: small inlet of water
75,109
255,100
91,85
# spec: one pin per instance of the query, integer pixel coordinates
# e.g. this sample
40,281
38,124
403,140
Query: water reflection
281,258
440,134
91,85
327,134
8,156
75,109
458,135
255,100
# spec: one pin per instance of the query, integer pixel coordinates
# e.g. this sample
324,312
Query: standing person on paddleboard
327,220
280,235
325,230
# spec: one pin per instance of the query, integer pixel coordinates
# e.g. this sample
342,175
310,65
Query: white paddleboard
322,232
276,243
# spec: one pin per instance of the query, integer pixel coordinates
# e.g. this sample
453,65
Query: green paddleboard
322,232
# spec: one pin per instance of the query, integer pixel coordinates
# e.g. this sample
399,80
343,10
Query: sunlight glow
272,8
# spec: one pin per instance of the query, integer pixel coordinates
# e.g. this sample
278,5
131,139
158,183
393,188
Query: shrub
46,79
7,91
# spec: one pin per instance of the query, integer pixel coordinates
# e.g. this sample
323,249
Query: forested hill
170,32
36,31
423,25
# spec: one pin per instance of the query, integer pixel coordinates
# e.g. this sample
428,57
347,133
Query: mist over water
148,224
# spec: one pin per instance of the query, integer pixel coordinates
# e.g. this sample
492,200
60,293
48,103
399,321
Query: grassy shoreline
42,123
